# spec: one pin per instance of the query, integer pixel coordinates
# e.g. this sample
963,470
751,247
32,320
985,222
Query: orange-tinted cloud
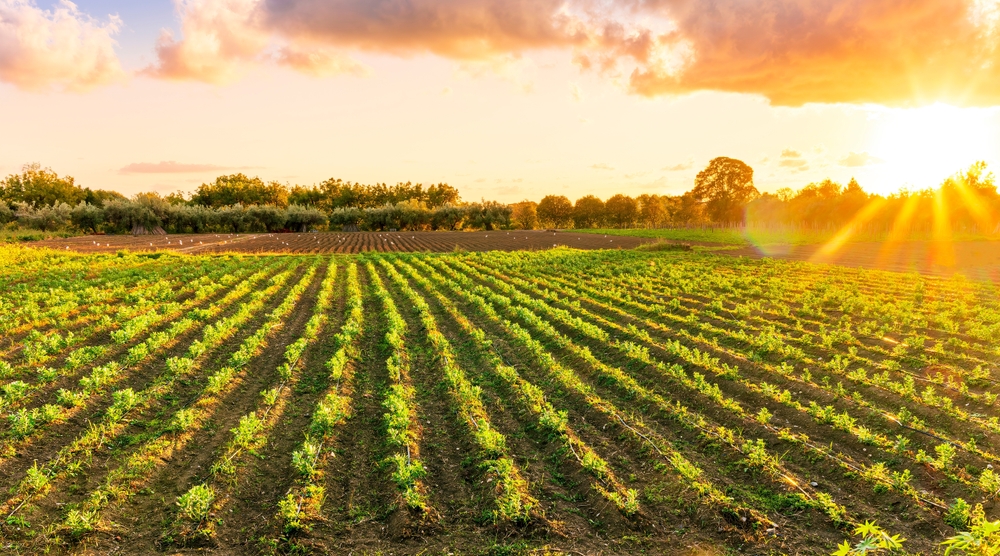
854,159
222,36
318,62
463,29
894,52
60,48
791,158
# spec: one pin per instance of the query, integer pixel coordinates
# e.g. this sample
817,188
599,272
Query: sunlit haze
165,96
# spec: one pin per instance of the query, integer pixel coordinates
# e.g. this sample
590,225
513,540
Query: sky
503,99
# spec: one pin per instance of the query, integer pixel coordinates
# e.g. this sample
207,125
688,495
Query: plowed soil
352,242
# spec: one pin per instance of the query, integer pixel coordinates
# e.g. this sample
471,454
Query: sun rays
961,205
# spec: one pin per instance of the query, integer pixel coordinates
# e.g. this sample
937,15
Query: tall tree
725,186
556,211
588,212
525,215
653,210
40,187
621,211
241,189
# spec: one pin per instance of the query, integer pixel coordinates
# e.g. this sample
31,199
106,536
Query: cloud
576,92
678,167
458,29
658,183
893,52
58,48
319,62
223,38
220,38
171,167
508,190
791,158
602,166
854,159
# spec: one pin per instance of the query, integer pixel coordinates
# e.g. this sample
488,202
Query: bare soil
348,242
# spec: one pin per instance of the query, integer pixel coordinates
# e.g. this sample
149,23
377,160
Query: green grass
21,236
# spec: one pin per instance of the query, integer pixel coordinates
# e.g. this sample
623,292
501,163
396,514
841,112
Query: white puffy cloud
58,48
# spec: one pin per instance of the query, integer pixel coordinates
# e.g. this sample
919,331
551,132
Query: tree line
723,193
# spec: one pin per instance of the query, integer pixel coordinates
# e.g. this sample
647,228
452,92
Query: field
353,242
579,402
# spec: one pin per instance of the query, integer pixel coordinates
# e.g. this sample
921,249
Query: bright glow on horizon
920,147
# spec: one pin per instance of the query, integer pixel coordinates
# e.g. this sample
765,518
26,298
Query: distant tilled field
605,402
352,242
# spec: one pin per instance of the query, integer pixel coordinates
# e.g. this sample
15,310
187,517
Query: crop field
560,401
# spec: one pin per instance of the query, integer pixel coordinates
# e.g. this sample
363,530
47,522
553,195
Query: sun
919,147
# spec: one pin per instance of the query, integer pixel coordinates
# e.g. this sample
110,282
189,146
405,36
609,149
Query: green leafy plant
874,540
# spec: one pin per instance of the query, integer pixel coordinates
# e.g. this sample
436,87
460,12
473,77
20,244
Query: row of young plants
554,422
639,352
836,365
70,459
513,503
402,427
35,304
30,379
209,496
783,371
868,315
138,467
691,474
817,336
823,415
302,505
33,317
27,423
753,451
877,471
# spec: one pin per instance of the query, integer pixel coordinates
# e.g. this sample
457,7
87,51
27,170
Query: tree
555,211
653,210
448,217
690,209
87,217
441,194
305,196
43,217
588,212
38,187
303,219
98,197
490,215
265,218
139,217
525,215
238,188
621,211
725,186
